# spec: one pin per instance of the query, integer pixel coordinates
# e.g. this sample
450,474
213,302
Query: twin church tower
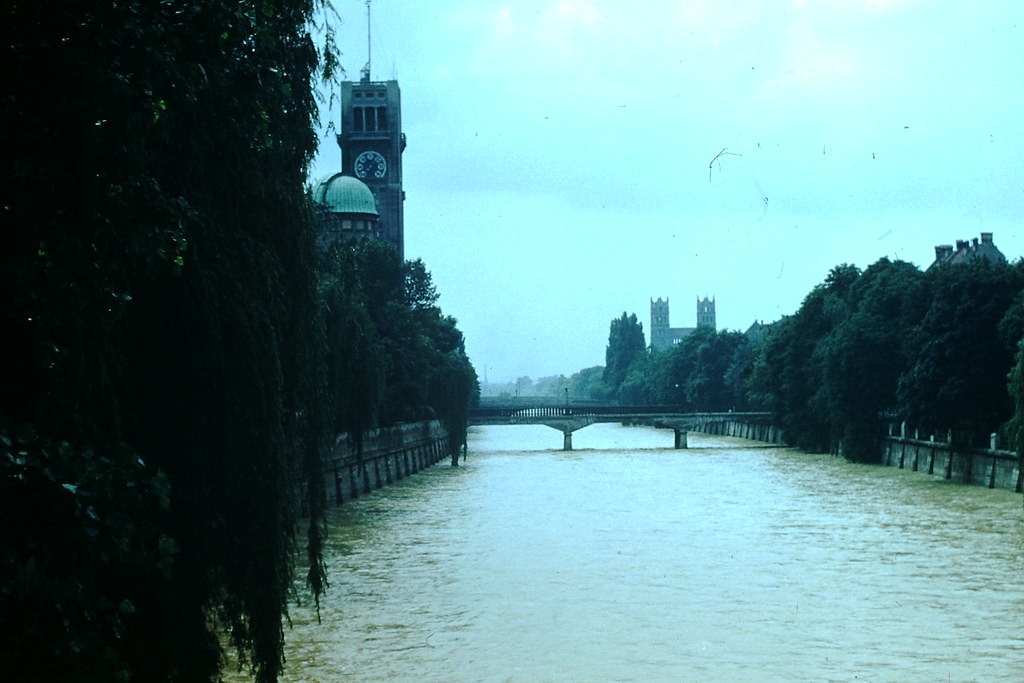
663,336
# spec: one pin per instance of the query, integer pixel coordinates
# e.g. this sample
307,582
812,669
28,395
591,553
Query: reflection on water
724,562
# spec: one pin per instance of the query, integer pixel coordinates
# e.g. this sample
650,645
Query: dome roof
344,194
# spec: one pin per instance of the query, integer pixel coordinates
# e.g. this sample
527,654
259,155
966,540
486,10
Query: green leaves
928,347
625,345
157,290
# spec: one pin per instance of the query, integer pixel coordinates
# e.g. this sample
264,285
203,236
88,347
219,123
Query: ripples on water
725,562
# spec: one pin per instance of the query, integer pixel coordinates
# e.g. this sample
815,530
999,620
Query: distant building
372,142
664,336
756,332
348,210
968,251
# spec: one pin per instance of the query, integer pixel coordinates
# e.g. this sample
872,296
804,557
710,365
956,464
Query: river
626,560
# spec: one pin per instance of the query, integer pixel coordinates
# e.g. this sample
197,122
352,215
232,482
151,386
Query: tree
635,389
588,383
625,345
161,322
426,371
791,368
960,361
1015,427
553,385
713,352
738,376
355,361
867,353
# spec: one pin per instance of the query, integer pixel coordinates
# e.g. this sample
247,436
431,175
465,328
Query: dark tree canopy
933,349
160,319
180,350
625,345
939,350
867,352
961,361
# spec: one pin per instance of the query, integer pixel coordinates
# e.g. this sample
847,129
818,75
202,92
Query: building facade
968,251
372,142
664,336
348,210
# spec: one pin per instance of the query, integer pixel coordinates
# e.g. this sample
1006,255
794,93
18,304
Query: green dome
344,194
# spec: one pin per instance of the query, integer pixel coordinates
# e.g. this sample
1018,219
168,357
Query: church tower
706,313
372,142
660,332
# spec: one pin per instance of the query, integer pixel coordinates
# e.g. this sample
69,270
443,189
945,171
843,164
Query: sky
559,169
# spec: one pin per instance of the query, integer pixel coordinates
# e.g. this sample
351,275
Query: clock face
371,164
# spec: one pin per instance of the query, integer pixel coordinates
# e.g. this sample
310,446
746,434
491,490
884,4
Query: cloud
557,168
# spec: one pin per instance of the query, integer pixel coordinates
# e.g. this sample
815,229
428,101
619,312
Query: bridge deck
568,419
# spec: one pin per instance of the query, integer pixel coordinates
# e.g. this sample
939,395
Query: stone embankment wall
744,430
989,467
389,454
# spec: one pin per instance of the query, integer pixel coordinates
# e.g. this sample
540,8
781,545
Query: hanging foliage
162,331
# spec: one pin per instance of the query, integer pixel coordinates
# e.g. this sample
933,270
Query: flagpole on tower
369,47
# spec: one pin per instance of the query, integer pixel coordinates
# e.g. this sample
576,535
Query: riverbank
388,455
990,467
745,430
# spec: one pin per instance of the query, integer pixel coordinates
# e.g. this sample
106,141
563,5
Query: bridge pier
567,440
680,438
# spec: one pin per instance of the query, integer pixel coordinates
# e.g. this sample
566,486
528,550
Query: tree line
176,352
938,349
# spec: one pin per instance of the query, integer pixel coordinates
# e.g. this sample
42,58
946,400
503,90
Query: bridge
570,418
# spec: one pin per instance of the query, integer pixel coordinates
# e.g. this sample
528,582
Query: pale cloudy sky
557,172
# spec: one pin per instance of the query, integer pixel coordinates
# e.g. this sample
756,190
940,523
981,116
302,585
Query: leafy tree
180,353
554,385
625,344
693,374
426,371
589,384
1015,426
454,390
161,323
635,389
929,346
960,362
868,351
713,353
791,370
738,377
672,368
355,361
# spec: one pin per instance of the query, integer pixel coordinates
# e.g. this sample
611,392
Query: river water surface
626,560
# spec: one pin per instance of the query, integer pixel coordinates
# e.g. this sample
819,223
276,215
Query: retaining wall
989,467
389,454
980,466
744,430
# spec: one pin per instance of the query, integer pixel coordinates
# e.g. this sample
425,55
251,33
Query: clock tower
371,142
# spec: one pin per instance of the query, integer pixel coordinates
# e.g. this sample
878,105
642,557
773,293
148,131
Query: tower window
369,119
